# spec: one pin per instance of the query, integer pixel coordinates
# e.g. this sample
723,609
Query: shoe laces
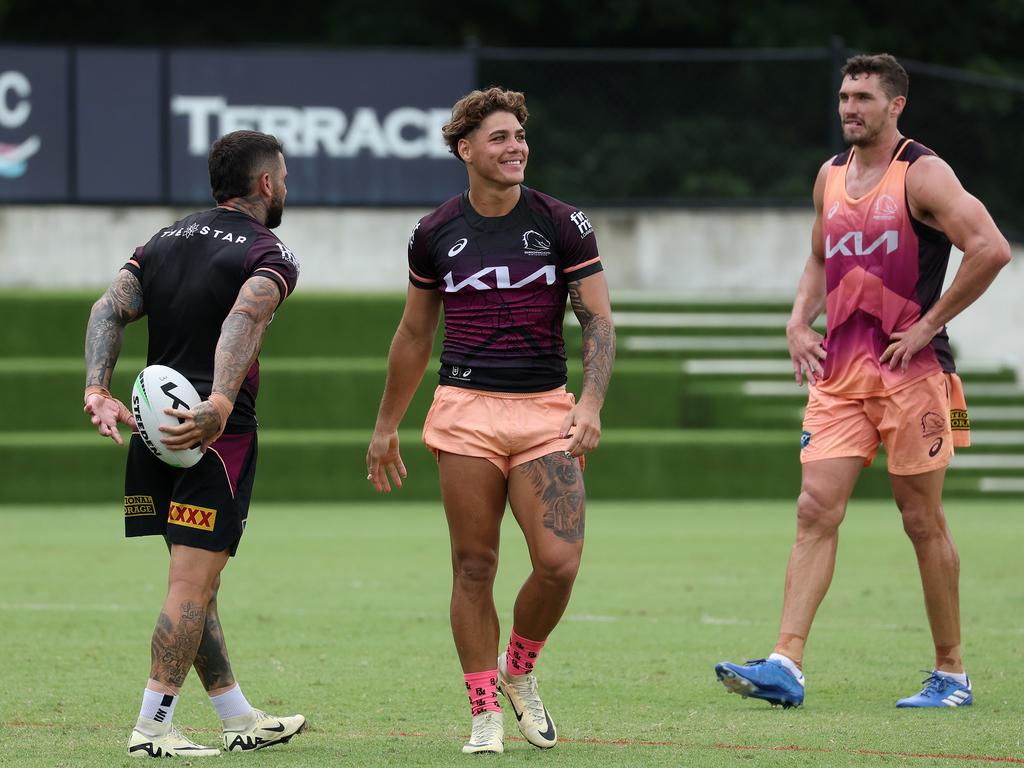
938,684
177,734
530,696
486,729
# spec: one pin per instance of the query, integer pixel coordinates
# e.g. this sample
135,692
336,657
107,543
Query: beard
275,211
865,138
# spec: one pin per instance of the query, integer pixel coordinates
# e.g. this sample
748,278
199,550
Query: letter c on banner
16,82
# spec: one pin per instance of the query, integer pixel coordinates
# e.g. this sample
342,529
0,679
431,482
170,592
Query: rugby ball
158,387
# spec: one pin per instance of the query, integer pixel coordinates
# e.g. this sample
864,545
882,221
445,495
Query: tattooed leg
212,663
175,641
183,619
547,499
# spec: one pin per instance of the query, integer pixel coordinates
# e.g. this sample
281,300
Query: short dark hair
237,158
473,108
891,73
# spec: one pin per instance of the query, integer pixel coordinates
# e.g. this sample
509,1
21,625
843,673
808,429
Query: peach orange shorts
919,425
506,428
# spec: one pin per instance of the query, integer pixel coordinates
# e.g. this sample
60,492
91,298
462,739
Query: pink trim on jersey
133,261
421,278
283,281
232,450
581,266
227,474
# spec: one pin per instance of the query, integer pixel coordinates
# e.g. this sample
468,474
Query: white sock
231,704
960,677
157,706
789,664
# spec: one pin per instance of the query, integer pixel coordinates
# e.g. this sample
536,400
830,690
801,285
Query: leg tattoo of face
175,643
556,480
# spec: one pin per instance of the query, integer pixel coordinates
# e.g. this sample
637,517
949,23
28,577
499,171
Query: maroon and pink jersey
503,282
191,274
883,271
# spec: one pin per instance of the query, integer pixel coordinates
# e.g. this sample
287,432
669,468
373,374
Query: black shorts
204,506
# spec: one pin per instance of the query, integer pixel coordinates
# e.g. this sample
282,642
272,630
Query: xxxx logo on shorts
192,517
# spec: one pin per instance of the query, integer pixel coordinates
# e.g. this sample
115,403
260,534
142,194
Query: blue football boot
940,691
762,679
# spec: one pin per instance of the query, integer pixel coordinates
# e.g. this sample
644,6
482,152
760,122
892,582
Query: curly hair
891,74
473,108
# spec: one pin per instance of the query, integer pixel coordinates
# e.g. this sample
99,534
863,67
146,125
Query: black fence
734,127
607,127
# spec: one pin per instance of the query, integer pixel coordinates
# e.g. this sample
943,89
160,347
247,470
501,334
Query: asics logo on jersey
855,240
501,279
833,209
456,249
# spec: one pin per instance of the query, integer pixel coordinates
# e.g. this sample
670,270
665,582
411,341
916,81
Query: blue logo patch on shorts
805,440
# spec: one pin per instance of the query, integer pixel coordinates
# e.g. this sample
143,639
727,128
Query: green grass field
340,612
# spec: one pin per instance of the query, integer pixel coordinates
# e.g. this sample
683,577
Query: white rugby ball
158,387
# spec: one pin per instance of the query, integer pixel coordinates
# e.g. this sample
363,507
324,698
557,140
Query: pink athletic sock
482,688
522,654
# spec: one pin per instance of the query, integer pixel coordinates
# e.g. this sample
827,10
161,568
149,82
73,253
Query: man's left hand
202,424
903,345
583,424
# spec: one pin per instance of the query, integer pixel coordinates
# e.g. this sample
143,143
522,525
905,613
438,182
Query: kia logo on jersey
502,279
890,238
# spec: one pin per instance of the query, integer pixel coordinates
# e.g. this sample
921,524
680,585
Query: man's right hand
806,351
107,412
383,459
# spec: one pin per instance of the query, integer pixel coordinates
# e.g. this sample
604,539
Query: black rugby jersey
503,282
191,274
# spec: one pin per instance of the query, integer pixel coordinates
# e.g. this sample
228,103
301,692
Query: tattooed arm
241,336
590,302
120,305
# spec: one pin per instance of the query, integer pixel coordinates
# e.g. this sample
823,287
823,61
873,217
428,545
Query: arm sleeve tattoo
598,344
241,334
120,305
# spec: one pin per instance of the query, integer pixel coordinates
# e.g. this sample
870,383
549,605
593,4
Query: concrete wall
706,254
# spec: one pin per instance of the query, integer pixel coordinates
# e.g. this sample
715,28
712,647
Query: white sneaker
257,730
521,691
166,741
488,734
